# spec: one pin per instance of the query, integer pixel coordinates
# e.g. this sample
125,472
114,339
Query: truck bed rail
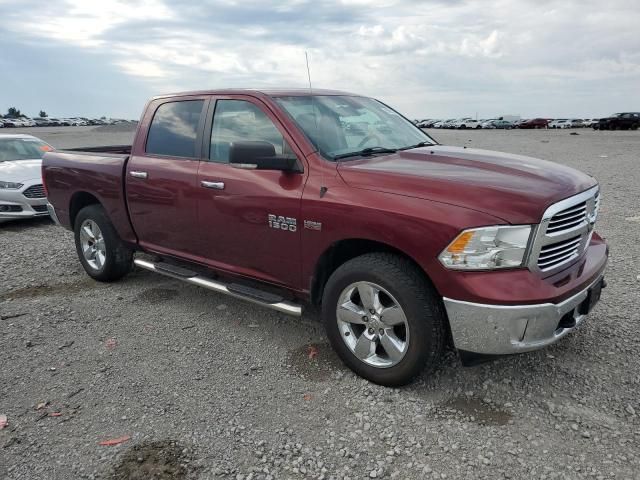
122,149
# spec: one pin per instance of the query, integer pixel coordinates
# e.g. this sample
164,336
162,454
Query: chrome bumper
52,214
506,329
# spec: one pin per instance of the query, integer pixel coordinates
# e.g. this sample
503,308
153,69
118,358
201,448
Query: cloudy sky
430,58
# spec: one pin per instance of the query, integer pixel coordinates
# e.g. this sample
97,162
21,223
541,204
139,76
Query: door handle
213,185
135,174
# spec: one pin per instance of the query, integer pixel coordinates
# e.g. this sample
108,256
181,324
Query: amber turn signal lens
461,241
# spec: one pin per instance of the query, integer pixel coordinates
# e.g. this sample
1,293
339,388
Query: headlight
10,185
487,248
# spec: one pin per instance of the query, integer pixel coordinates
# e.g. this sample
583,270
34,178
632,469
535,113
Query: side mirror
260,156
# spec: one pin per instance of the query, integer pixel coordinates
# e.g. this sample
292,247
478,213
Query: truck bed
95,171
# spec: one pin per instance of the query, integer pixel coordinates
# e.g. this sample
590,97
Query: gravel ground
202,386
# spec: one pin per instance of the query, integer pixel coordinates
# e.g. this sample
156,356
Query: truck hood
20,170
515,188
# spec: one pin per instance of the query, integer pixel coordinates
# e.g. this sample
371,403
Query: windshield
22,149
340,125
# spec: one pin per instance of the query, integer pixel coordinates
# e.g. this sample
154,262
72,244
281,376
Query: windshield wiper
417,145
365,152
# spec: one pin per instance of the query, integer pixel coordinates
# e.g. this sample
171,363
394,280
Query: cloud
432,58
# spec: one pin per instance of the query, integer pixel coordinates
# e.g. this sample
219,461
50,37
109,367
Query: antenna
306,56
323,188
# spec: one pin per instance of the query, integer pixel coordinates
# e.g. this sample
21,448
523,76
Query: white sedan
467,123
22,194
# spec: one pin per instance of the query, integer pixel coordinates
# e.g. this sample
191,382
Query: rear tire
408,312
104,256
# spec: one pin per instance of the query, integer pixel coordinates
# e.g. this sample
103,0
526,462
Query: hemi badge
311,225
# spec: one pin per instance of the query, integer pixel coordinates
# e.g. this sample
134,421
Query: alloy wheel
92,244
372,324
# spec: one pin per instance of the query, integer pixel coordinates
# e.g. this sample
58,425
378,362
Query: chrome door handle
213,185
135,174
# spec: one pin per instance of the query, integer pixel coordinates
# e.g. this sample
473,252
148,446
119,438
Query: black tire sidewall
118,258
420,315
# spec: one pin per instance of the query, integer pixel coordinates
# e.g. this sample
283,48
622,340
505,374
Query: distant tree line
13,112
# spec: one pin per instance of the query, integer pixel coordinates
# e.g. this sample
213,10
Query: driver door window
241,121
235,204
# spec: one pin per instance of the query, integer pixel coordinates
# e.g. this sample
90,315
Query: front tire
102,253
383,318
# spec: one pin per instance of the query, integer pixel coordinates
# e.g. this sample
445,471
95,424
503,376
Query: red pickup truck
288,197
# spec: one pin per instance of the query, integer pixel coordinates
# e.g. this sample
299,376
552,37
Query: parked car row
464,123
57,122
617,121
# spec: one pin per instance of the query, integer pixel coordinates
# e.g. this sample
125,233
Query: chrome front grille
568,218
564,232
560,252
34,191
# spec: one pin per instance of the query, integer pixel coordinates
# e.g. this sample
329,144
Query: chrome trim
136,174
213,185
53,214
583,230
285,307
506,329
245,166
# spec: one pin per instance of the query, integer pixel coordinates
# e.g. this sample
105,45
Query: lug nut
365,319
372,311
381,331
371,331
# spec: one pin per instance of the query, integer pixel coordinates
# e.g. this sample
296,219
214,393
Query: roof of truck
270,92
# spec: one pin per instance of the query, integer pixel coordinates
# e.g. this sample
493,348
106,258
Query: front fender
418,228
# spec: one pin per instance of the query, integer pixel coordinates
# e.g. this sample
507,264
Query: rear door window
174,129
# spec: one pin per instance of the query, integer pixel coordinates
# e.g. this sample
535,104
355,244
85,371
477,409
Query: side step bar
234,290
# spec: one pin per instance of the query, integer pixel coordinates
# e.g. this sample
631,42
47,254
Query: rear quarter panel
69,174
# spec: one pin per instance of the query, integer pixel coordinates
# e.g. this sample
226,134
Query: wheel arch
78,201
344,250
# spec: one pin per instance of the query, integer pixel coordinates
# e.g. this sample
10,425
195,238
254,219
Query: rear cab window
174,129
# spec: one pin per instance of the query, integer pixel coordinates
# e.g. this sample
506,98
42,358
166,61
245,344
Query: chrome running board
249,294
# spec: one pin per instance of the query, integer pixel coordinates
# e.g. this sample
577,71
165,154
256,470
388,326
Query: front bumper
14,205
507,329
